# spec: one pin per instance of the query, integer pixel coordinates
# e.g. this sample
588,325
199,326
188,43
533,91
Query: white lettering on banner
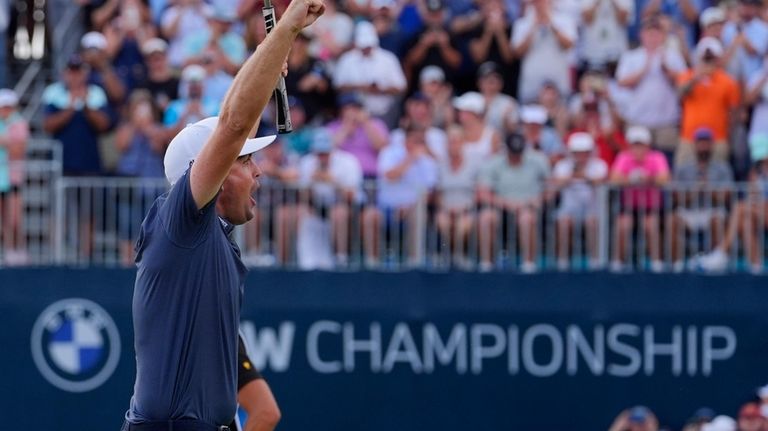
353,345
313,349
482,351
542,350
556,352
593,355
269,348
626,350
711,353
456,346
673,349
402,348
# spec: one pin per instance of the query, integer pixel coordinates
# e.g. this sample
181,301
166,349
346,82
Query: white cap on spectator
366,36
534,114
8,98
581,142
378,4
432,74
185,147
193,72
471,101
720,423
762,391
710,44
220,14
639,135
711,15
93,39
154,45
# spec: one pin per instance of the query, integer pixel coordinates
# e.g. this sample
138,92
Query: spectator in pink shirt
640,171
358,133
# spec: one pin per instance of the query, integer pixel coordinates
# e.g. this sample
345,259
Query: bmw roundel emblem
75,345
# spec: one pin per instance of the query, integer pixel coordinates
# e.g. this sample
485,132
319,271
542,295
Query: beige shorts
665,138
686,153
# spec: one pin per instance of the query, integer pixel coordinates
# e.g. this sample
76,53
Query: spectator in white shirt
543,39
433,84
481,140
605,35
538,136
649,73
333,179
372,72
185,18
332,32
456,198
576,177
407,175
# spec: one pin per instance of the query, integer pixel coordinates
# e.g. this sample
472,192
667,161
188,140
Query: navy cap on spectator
515,143
349,99
75,61
703,134
488,68
639,414
703,414
419,97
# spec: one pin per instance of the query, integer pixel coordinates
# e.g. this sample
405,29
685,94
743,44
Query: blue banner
410,351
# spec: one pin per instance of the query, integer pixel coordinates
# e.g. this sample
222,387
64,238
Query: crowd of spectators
494,109
751,416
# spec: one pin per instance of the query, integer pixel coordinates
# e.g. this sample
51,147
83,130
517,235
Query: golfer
189,284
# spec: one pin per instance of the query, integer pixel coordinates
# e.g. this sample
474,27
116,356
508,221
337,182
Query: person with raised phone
190,279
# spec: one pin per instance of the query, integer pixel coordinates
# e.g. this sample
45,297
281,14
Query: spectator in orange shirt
709,98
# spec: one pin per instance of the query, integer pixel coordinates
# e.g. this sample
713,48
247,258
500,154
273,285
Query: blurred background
491,214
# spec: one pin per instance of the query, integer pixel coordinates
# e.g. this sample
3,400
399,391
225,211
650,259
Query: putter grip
282,109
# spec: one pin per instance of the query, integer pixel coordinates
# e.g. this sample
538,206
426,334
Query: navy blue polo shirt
186,312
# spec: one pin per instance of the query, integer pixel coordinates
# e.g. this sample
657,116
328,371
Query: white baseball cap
366,36
8,98
93,39
154,45
710,44
534,114
581,142
639,135
431,74
186,145
712,15
193,72
720,423
471,101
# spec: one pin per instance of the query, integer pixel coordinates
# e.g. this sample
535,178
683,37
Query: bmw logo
75,345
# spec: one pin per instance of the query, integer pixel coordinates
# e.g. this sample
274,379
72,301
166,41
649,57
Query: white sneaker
756,269
563,264
528,268
485,267
594,265
716,261
657,266
678,266
616,266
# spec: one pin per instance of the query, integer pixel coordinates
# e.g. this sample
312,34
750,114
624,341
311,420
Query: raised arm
245,100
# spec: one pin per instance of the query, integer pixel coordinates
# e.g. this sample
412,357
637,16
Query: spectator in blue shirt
748,36
192,105
76,114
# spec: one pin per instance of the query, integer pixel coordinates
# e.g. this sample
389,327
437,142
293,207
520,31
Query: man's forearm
248,94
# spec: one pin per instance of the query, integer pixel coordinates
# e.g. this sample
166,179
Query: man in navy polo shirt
189,284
